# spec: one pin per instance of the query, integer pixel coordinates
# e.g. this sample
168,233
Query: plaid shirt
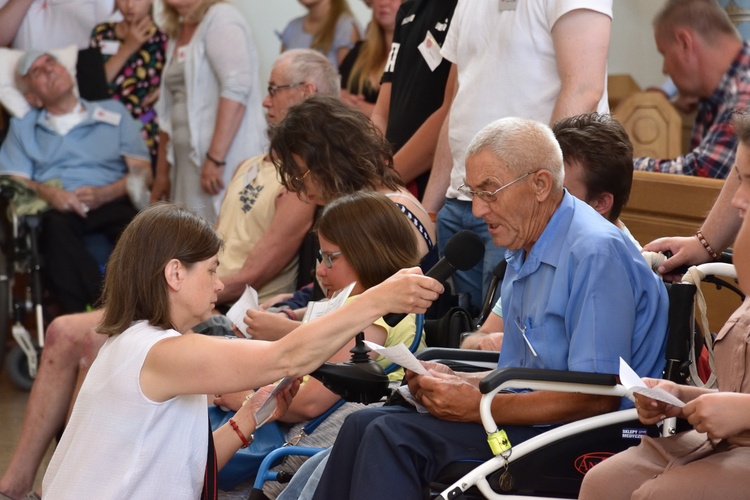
713,143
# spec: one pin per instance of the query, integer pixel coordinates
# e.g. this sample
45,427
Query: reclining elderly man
577,295
263,226
76,155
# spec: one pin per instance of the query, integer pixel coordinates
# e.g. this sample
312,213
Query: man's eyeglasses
273,88
327,258
490,196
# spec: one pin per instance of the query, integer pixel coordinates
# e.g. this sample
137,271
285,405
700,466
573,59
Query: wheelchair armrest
543,380
504,375
461,360
433,353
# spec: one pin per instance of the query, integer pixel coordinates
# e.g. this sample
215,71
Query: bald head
705,17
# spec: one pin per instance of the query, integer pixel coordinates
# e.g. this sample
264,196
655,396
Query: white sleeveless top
120,444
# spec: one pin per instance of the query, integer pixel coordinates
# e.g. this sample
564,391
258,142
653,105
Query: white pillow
10,97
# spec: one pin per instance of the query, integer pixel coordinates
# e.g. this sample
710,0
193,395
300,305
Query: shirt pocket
535,348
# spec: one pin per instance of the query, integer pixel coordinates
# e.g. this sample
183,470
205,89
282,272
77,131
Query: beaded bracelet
706,245
245,442
215,161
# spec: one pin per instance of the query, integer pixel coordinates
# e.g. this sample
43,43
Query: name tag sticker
407,19
508,5
109,47
106,116
430,50
181,54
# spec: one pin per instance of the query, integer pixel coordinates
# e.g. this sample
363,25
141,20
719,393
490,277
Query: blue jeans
394,452
453,217
305,480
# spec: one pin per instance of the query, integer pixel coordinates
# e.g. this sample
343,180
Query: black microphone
462,252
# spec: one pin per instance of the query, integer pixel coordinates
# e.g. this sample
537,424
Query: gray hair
307,65
523,145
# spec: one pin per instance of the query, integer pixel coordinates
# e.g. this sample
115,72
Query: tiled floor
12,406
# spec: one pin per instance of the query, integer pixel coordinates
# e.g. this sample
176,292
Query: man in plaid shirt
707,59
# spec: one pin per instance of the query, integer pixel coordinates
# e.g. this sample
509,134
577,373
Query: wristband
245,441
215,161
706,245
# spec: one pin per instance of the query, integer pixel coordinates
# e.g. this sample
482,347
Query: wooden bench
676,205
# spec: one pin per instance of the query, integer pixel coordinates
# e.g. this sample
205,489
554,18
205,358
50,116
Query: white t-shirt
119,443
506,67
53,24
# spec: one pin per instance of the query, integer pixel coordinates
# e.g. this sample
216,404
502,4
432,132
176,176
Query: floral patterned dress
140,76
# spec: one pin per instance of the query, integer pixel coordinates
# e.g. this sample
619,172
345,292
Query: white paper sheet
322,307
399,354
269,406
631,381
236,314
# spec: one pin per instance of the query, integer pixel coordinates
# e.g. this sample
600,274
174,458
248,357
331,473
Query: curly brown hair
341,147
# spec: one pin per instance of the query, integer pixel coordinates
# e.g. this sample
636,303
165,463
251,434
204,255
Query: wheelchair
360,380
19,259
553,464
22,294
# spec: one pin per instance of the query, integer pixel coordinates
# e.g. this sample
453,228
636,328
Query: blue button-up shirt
582,298
91,154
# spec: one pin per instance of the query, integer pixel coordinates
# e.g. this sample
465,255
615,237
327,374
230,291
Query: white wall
632,48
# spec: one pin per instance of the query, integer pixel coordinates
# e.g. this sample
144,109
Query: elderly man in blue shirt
76,155
577,295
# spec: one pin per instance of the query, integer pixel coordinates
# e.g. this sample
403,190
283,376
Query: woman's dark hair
135,287
341,147
374,236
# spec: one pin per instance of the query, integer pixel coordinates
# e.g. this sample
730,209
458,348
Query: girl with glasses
364,238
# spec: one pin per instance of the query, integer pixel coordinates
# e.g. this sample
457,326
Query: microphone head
464,250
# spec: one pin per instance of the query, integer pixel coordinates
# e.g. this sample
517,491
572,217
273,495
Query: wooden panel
619,87
654,126
676,205
668,205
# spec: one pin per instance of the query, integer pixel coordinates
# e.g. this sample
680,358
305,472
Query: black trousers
70,270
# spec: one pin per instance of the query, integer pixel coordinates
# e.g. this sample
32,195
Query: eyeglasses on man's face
327,257
490,196
273,88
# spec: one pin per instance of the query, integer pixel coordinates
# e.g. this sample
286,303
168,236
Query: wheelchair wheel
18,368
